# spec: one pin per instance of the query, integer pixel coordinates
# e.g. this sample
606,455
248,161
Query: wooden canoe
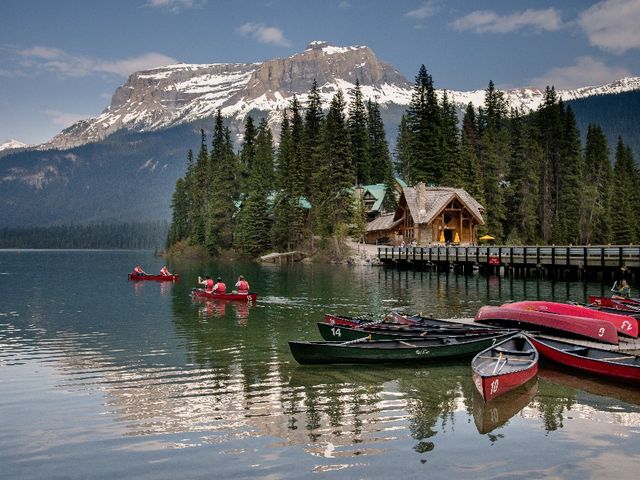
417,322
198,293
504,366
598,330
154,278
382,331
614,365
624,324
391,351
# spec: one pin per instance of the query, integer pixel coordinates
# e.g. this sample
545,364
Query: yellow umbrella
456,238
441,240
486,237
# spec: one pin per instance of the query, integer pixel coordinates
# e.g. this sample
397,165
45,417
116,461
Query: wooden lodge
427,216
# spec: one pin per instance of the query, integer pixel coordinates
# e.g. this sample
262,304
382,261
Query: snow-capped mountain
12,144
177,94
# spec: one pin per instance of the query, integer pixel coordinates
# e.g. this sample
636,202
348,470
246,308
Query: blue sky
61,61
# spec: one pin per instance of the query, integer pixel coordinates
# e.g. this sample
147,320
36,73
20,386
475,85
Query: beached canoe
624,324
198,293
383,331
408,319
599,330
614,365
154,278
504,366
391,351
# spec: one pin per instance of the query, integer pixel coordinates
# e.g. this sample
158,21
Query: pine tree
180,213
469,151
253,228
549,126
381,164
450,165
403,151
247,153
357,129
595,221
625,223
198,185
569,182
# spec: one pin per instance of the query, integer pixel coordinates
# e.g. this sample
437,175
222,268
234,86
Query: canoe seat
513,352
578,350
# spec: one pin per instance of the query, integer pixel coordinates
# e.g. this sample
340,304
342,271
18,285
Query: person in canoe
623,290
137,270
207,282
164,271
220,286
242,285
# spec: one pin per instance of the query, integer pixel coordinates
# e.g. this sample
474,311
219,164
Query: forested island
537,182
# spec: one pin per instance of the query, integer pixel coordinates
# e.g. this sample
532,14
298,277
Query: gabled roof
435,199
383,222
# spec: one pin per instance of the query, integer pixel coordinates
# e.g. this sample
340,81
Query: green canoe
333,332
392,351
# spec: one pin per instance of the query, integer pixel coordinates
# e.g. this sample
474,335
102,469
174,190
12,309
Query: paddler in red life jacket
219,287
165,271
242,285
137,270
207,282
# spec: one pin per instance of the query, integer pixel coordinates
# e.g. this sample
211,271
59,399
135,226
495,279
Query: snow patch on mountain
12,144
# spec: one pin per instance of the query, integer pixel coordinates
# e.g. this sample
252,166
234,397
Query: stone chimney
421,200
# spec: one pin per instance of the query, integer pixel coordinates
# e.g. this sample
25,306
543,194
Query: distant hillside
617,114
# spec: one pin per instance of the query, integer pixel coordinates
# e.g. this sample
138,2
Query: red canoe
504,366
155,278
625,324
627,304
599,330
614,365
242,297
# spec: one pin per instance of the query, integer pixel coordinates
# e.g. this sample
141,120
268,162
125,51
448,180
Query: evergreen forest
538,181
136,235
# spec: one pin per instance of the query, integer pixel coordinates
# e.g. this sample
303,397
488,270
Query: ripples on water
101,378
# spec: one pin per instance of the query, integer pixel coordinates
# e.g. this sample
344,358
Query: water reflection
489,416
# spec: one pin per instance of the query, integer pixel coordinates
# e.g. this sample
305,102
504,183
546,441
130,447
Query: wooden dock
548,261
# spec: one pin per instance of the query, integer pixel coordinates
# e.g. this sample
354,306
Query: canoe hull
561,353
504,366
389,351
625,325
598,330
333,332
237,297
154,278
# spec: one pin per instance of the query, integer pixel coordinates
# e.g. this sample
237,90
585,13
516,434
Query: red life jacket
209,285
221,287
165,271
137,270
243,286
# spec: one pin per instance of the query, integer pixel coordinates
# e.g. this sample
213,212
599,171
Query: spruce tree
357,129
469,152
403,150
247,153
381,164
451,175
624,220
595,221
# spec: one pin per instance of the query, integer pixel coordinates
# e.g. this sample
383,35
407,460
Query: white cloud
587,71
486,21
64,119
69,65
175,5
612,25
264,34
425,10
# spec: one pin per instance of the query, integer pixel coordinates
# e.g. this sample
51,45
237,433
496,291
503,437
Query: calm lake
102,378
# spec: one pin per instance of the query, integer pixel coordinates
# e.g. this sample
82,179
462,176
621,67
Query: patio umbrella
485,238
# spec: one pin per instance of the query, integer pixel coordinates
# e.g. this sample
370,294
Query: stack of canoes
623,306
573,320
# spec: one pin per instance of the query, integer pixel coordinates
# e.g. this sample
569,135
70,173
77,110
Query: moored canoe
624,324
614,365
599,330
504,366
391,351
